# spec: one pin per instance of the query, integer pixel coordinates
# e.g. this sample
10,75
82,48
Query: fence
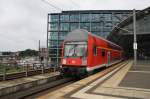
12,71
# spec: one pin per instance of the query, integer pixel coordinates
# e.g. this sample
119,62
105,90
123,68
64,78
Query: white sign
64,61
134,45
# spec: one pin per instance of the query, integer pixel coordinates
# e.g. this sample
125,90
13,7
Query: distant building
43,53
43,56
99,22
9,57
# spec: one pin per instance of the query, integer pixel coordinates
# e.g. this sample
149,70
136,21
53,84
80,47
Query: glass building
99,22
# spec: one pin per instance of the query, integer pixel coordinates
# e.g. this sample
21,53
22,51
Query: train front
74,53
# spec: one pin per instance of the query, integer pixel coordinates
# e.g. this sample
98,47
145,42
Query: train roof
82,35
77,35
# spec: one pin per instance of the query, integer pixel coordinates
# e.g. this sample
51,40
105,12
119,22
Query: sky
24,22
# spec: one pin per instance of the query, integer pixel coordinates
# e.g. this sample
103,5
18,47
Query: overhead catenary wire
52,5
74,3
56,3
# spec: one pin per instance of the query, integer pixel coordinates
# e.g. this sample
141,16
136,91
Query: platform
124,82
11,86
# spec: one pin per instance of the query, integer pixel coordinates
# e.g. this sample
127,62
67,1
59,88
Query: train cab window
75,50
103,52
95,50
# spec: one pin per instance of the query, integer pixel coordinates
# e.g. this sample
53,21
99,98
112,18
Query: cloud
24,22
113,4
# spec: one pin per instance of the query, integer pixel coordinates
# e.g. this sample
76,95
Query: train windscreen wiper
73,48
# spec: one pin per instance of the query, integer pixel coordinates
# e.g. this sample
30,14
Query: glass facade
74,18
99,22
64,26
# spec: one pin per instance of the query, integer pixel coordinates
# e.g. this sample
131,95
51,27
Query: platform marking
110,87
148,72
82,93
117,77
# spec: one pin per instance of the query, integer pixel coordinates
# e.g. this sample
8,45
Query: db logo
73,62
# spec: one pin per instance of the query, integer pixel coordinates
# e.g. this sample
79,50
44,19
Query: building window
64,26
53,43
117,17
107,17
101,16
95,17
64,18
53,35
74,26
85,26
96,26
107,29
54,18
108,24
85,17
54,26
62,35
74,18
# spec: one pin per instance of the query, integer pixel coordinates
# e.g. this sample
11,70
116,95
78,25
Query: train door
108,58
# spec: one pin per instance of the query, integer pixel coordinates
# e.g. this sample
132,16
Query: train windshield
75,50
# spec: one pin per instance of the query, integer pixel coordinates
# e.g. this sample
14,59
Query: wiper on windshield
71,50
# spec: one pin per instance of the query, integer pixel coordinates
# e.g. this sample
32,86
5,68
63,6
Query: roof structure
122,34
129,20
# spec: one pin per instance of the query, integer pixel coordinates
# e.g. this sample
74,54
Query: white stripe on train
102,65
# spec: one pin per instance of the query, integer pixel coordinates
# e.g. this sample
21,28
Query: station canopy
122,34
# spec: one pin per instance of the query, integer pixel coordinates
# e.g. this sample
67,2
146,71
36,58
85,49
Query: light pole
135,41
134,36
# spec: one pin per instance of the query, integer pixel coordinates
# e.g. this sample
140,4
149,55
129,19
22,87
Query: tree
28,52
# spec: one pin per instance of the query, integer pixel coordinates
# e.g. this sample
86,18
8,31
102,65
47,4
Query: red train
84,52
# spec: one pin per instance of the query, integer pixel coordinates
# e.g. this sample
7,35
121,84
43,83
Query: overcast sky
24,22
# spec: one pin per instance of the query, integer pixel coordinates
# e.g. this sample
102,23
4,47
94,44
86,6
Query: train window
95,50
103,52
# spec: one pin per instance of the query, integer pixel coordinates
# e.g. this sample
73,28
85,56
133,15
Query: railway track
66,83
54,81
36,91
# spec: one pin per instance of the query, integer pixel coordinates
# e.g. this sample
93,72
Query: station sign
135,46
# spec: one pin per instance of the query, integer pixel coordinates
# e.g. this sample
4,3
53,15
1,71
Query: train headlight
64,61
84,61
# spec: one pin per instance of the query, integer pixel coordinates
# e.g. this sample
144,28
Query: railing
13,71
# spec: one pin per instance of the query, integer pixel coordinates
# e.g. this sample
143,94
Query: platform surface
9,83
126,82
138,76
11,86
